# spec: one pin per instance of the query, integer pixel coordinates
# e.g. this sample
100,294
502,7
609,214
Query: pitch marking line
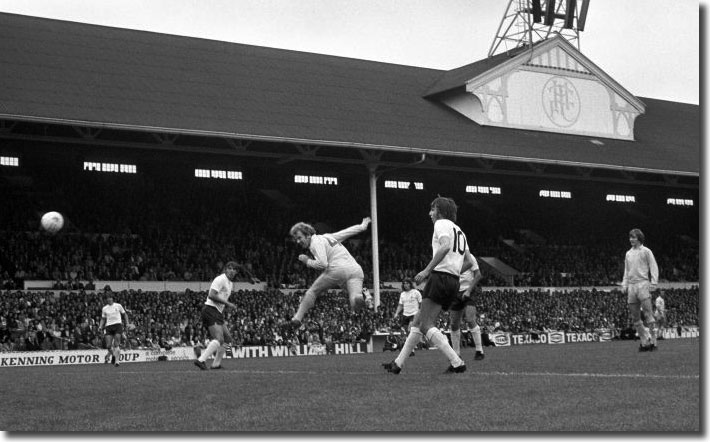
482,373
591,375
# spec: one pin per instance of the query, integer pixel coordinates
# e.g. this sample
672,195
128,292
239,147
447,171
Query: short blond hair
302,227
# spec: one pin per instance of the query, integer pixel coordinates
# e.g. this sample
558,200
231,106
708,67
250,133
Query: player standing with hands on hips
339,267
640,279
451,256
410,300
213,318
463,309
111,316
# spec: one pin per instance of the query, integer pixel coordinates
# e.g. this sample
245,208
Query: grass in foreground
573,387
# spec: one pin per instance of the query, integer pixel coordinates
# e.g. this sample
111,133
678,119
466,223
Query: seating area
196,251
34,320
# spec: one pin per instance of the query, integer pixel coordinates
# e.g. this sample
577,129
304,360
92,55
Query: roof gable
550,87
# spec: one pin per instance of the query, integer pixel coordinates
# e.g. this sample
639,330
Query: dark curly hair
446,206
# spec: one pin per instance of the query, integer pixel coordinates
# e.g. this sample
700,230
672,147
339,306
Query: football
52,222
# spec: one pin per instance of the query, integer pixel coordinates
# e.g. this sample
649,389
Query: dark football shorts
211,316
460,303
442,288
114,329
405,321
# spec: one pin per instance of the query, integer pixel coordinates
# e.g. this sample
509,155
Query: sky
651,47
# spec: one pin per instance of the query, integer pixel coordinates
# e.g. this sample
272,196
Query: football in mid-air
52,222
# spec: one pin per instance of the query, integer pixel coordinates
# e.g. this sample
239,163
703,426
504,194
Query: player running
213,318
450,251
410,300
113,316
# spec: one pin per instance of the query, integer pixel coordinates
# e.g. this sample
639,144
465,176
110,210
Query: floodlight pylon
525,22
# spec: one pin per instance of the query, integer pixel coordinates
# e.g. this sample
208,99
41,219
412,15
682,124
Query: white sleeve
218,283
348,232
441,227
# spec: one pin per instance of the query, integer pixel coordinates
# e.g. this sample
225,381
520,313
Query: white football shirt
329,252
112,313
639,265
410,301
660,305
223,286
453,260
466,278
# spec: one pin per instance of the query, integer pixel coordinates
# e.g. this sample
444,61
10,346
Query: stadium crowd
34,320
71,259
140,229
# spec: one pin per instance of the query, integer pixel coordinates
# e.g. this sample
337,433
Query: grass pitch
587,387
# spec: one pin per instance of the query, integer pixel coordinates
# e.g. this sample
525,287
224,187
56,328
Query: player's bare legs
423,324
117,348
456,316
109,347
217,334
470,317
219,354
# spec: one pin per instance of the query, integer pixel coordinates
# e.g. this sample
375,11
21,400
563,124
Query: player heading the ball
339,267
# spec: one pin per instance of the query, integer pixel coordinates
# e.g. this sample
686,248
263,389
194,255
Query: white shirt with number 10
458,246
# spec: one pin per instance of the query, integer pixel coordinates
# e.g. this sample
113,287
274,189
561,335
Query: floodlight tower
526,22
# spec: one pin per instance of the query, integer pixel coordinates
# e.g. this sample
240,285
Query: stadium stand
150,233
33,320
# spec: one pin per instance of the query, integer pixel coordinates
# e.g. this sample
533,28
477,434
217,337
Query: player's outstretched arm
352,230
